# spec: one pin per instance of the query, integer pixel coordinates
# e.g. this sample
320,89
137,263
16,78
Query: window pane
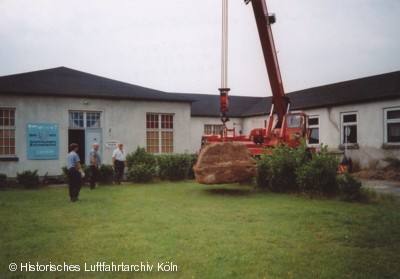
7,131
76,120
293,120
93,120
349,134
393,132
217,129
167,142
393,114
314,136
349,118
207,129
152,121
313,121
167,121
7,117
152,142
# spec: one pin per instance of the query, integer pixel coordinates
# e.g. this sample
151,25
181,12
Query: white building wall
370,131
121,120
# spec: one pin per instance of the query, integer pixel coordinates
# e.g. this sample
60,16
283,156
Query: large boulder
224,162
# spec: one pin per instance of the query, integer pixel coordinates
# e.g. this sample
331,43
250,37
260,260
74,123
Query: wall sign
42,141
111,143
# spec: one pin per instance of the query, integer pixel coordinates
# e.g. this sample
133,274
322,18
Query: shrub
64,171
29,179
174,167
317,176
290,169
263,172
142,166
141,173
281,166
3,180
350,188
106,173
140,156
193,161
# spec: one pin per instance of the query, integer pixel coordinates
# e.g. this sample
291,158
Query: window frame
215,129
9,127
313,126
387,121
84,119
347,124
160,133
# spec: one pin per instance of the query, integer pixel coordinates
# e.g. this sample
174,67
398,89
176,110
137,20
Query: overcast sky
174,45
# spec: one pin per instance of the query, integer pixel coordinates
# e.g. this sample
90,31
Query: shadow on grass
228,192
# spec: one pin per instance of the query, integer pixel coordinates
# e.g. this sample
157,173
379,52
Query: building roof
379,87
65,82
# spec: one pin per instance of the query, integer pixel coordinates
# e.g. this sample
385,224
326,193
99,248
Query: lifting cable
224,90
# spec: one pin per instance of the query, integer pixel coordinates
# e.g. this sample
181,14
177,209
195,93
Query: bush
142,166
106,173
3,180
193,161
350,188
29,179
174,167
290,169
140,156
277,172
317,177
263,172
141,173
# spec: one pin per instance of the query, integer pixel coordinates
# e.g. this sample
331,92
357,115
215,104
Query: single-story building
42,112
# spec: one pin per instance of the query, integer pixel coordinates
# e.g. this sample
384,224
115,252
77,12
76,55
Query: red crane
287,127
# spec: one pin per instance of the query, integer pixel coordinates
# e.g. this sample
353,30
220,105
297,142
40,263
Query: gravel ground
383,186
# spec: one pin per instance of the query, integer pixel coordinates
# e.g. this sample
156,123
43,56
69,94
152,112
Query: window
293,120
392,126
313,125
212,129
159,133
7,132
348,128
80,119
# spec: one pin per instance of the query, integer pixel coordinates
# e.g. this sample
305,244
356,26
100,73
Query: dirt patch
388,173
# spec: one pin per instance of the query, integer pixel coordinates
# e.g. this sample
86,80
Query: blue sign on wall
42,141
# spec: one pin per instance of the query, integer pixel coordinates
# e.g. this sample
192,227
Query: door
78,137
92,136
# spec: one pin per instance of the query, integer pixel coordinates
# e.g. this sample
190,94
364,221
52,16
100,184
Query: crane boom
264,21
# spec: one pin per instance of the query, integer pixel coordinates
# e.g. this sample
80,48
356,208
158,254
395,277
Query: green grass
224,231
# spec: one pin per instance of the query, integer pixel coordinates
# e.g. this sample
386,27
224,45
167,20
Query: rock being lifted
224,162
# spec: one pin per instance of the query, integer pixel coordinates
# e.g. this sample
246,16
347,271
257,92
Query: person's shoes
74,199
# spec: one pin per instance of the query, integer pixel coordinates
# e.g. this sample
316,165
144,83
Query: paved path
383,186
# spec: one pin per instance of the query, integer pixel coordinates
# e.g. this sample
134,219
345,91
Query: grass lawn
202,231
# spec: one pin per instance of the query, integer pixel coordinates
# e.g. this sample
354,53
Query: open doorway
78,137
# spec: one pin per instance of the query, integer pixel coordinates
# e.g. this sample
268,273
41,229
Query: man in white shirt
118,161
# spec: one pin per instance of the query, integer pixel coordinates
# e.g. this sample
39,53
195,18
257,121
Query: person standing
74,172
118,161
95,162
